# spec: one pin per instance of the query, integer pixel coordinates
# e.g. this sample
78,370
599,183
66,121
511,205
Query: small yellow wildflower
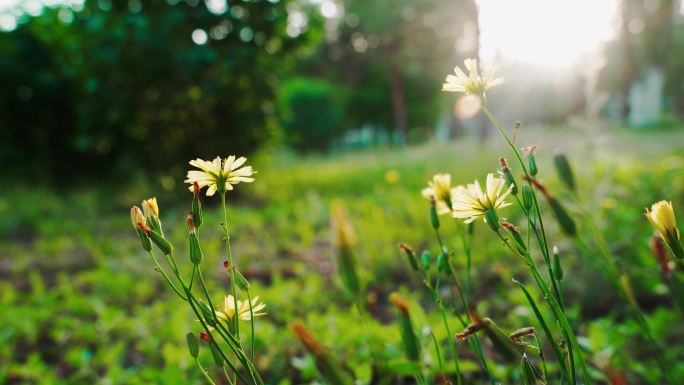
471,202
219,175
228,311
440,188
662,217
474,83
150,208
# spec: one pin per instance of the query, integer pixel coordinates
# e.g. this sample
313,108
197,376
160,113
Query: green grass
81,302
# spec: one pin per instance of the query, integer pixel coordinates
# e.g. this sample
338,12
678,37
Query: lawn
82,304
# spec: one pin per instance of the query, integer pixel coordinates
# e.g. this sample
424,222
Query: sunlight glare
544,32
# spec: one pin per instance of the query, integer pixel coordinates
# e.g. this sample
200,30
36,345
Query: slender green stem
229,256
251,321
166,277
204,372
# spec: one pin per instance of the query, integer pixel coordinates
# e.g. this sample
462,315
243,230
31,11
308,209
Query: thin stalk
251,321
204,372
166,277
229,256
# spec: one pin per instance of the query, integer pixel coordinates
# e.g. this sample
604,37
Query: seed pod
165,246
564,171
434,218
218,359
557,268
492,219
567,224
509,176
443,262
196,254
528,197
410,255
408,336
196,206
515,233
240,280
532,164
193,344
425,260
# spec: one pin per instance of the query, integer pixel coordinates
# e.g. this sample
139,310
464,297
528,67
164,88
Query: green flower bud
532,165
196,254
144,240
434,218
159,240
410,255
193,344
557,268
443,262
492,219
528,197
240,280
196,206
564,171
509,176
425,259
408,336
565,221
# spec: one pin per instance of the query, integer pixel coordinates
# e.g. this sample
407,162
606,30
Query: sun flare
544,32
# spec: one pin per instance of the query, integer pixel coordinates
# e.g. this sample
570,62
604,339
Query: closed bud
218,359
193,344
515,233
410,255
409,337
509,176
196,254
151,211
565,221
327,367
564,171
492,219
443,262
240,280
159,240
557,268
426,260
204,336
434,218
531,161
528,197
196,206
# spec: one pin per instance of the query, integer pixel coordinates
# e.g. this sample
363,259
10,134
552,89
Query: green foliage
311,112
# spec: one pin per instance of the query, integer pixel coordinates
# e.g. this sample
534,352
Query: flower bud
193,344
660,253
159,240
410,255
196,206
218,359
509,176
151,211
196,254
492,219
528,197
328,368
137,218
565,221
557,268
425,260
204,336
240,280
408,335
564,171
443,262
434,218
515,233
531,161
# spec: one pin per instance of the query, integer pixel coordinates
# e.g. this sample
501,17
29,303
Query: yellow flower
137,217
662,217
474,83
471,202
440,188
341,225
228,311
219,175
150,208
